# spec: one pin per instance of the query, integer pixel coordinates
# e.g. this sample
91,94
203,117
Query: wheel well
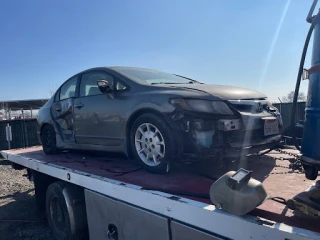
133,118
43,125
41,183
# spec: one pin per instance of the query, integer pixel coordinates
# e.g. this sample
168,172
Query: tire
58,214
311,172
157,144
48,139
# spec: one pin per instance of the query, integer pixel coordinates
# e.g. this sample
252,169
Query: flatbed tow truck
96,196
123,201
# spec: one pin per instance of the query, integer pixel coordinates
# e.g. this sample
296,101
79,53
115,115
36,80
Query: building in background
20,115
20,109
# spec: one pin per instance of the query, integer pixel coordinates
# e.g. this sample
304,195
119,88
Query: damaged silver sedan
156,117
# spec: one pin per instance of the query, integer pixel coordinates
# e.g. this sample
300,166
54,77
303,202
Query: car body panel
100,113
221,92
62,116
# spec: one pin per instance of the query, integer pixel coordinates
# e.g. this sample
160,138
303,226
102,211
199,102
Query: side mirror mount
104,86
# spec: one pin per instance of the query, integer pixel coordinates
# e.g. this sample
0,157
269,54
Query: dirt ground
18,216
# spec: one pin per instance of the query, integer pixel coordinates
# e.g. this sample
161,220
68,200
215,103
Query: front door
95,122
62,109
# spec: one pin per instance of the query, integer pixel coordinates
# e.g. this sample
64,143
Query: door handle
58,109
78,105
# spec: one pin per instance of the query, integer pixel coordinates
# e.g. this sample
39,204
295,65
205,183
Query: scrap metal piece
303,208
229,124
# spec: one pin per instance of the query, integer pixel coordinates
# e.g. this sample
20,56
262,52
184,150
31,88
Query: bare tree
290,95
52,90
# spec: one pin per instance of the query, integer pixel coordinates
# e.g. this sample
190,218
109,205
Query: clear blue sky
216,41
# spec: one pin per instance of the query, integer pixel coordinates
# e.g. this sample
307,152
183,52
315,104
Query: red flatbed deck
184,181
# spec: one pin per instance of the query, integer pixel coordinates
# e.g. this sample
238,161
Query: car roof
112,68
119,67
115,68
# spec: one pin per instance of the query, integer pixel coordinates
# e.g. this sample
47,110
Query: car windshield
151,76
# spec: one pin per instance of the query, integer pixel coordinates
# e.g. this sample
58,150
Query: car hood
224,92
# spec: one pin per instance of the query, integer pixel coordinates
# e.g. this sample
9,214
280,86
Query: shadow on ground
19,219
260,166
18,216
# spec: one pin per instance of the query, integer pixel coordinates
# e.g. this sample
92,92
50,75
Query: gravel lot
18,217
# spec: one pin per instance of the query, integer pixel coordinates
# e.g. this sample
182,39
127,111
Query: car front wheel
152,143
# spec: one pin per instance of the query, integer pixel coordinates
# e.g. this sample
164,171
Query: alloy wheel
149,144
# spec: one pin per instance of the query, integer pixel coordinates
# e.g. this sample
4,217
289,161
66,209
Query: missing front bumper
232,144
203,138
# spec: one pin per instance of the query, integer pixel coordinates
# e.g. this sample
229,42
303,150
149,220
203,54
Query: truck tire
311,172
48,139
66,212
152,143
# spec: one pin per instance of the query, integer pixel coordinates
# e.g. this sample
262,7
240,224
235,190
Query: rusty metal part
303,208
298,206
314,69
295,163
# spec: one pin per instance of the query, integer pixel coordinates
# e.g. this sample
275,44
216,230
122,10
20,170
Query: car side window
88,85
120,86
57,96
68,89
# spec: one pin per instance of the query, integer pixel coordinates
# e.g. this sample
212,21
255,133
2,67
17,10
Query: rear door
62,109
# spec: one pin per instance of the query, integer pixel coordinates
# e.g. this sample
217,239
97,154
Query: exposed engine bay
255,126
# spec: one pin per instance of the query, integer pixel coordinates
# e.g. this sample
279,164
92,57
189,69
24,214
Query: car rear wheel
152,143
48,139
